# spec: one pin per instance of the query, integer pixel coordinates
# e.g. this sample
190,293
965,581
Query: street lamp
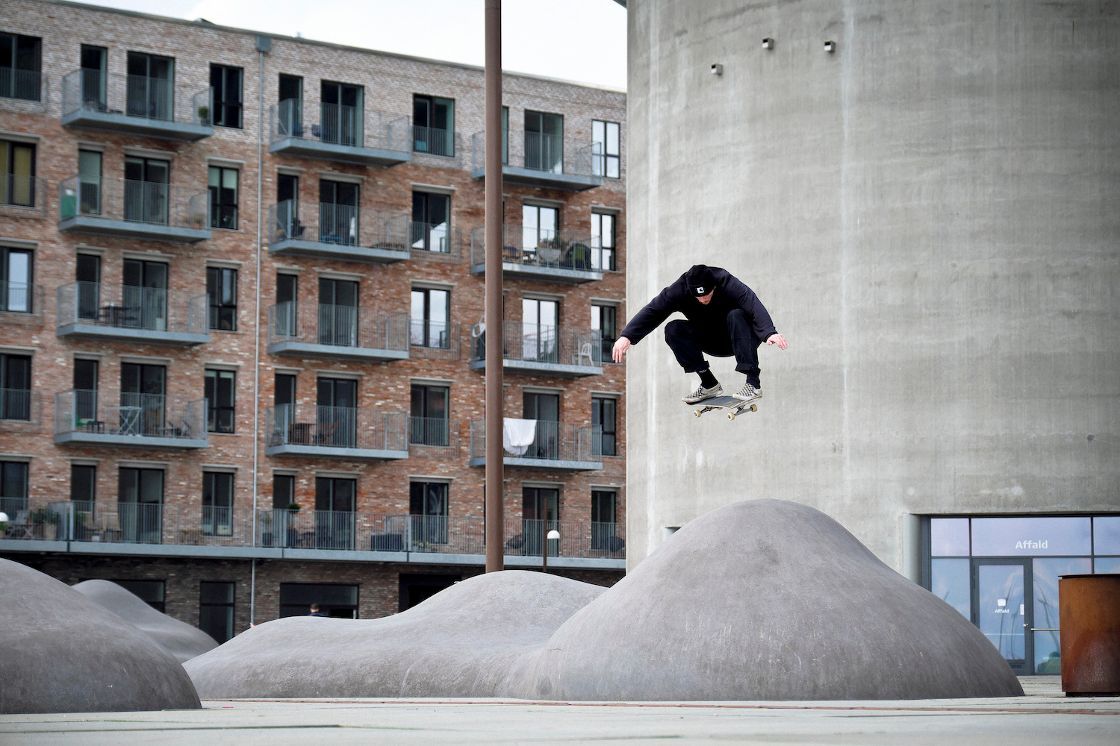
552,534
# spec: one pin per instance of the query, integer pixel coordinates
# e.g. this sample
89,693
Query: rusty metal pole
495,487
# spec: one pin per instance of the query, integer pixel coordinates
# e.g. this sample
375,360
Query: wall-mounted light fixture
717,69
767,43
830,46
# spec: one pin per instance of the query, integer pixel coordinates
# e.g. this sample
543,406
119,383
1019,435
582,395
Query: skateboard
734,406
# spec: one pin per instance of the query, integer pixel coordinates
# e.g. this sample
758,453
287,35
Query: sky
577,40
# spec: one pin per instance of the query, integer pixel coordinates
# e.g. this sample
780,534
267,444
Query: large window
431,222
429,411
221,290
86,374
225,86
606,152
539,329
428,506
20,66
143,399
95,79
339,212
223,197
16,280
89,181
151,592
602,241
13,487
221,388
144,295
545,409
604,520
289,112
544,141
430,316
140,505
338,312
17,173
604,415
217,503
539,225
215,609
540,511
334,600
335,498
15,387
151,86
147,190
433,125
604,324
336,412
83,486
341,113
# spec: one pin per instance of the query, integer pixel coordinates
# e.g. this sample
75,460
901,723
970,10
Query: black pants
689,342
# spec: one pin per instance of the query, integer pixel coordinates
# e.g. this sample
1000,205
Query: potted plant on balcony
41,517
204,115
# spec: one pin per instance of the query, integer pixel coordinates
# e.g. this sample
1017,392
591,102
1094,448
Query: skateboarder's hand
779,340
621,345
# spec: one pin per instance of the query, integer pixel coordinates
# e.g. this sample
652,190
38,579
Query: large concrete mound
459,643
764,600
180,639
61,652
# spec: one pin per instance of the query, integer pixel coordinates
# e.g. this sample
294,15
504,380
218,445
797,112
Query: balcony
539,160
341,134
340,432
134,104
330,231
139,420
22,196
20,410
544,349
541,444
133,209
560,257
422,240
88,309
337,331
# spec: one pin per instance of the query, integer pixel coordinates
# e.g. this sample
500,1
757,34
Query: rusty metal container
1089,613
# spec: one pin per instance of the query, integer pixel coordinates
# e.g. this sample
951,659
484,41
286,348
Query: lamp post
552,534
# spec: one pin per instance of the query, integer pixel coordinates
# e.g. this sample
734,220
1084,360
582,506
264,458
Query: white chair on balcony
586,351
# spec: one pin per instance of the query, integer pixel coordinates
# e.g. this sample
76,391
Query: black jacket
731,293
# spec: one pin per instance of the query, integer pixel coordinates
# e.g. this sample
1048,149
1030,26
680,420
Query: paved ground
1045,716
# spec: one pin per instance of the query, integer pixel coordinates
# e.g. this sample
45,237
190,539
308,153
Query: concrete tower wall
932,215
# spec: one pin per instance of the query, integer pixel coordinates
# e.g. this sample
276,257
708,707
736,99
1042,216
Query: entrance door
1002,609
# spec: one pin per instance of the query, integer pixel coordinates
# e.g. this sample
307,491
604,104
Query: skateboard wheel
697,412
754,407
730,415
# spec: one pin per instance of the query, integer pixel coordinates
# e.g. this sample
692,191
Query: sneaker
748,393
702,393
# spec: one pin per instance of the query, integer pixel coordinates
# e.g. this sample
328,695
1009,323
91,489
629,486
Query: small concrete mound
764,600
180,639
459,643
61,652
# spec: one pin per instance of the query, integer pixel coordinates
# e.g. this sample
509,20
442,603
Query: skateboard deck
733,405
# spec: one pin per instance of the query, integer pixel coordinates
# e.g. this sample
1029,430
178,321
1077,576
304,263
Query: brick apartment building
241,302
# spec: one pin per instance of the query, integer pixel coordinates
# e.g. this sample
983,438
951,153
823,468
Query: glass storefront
1002,574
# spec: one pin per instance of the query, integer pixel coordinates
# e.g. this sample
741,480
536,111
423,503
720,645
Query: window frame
211,392
601,248
15,403
229,606
598,418
8,188
224,213
9,88
431,102
19,472
6,283
427,435
220,98
601,162
424,324
217,495
221,285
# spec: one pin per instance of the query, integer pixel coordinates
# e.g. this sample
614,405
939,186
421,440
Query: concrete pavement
1043,716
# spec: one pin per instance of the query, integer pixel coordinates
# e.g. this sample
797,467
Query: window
433,125
604,415
221,386
341,114
427,505
283,491
145,296
85,394
225,87
150,87
20,66
217,503
539,330
284,397
15,387
338,312
430,318
223,197
545,409
544,141
539,226
336,417
338,212
95,62
336,601
287,305
289,112
147,190
288,223
540,510
83,486
602,241
334,512
143,400
17,174
150,592
89,182
15,280
431,222
221,290
604,325
429,410
215,609
140,505
604,520
605,149
13,487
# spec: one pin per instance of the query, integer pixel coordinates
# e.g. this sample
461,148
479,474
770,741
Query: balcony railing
541,443
341,133
23,195
540,160
347,432
131,312
401,232
19,409
151,420
560,256
433,141
331,230
23,88
136,104
19,301
337,330
132,208
539,348
438,432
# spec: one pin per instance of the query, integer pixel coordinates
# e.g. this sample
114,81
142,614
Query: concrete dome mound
62,652
180,639
460,642
764,600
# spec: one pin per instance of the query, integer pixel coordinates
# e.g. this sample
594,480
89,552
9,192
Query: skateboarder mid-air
722,317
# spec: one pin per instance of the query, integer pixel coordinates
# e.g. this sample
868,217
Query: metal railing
338,326
339,124
25,85
20,298
133,415
553,249
422,239
130,307
539,343
134,96
325,426
23,193
438,335
538,151
319,222
433,141
551,441
430,431
19,406
149,202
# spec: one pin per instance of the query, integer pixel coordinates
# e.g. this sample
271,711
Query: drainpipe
495,487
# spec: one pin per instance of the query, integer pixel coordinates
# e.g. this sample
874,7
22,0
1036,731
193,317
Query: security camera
830,46
717,69
767,43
